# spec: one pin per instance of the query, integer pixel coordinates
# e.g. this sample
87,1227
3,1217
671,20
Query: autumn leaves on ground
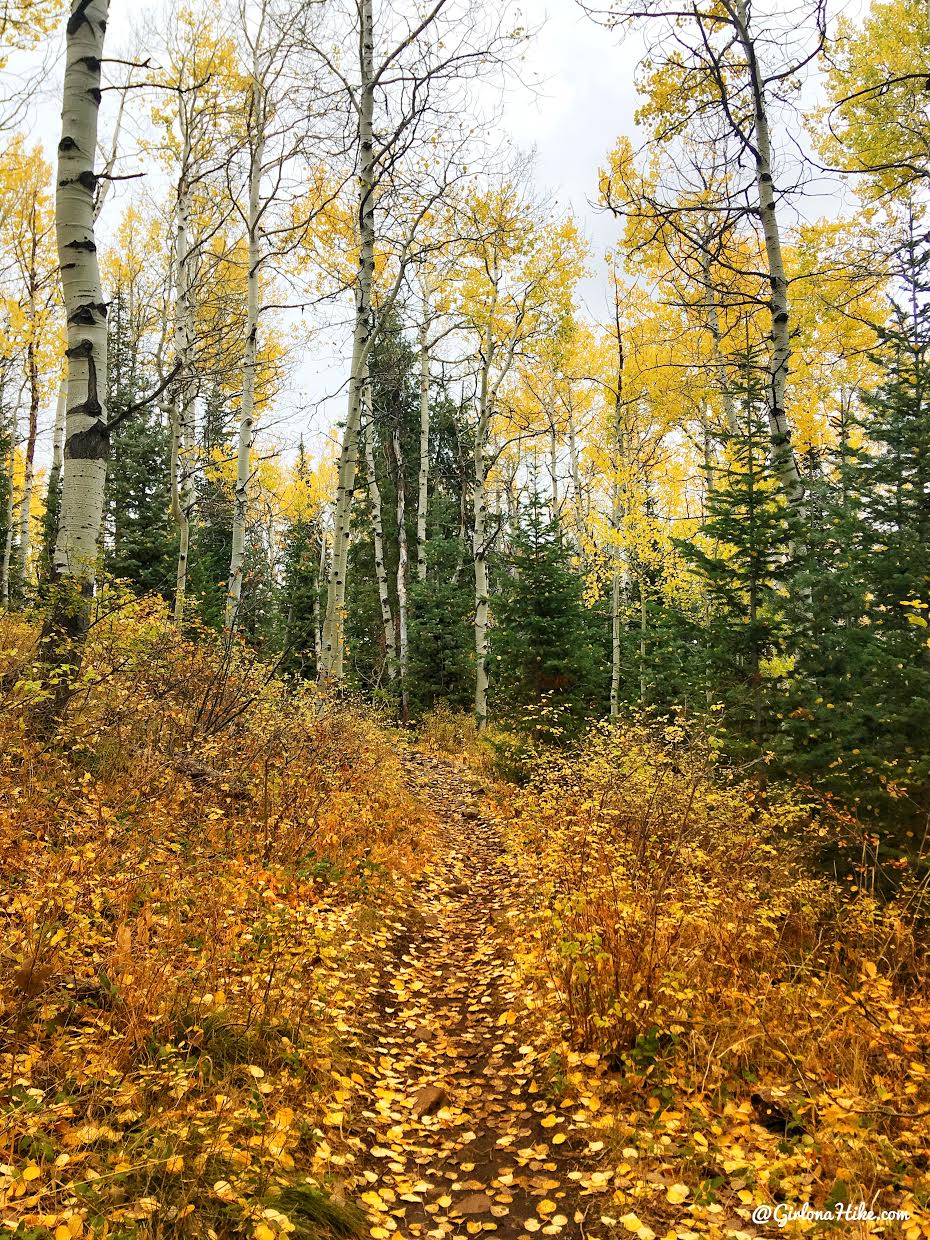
270,969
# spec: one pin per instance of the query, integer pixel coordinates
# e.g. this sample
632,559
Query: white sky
574,97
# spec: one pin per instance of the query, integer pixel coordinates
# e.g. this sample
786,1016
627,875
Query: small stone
428,1098
474,1203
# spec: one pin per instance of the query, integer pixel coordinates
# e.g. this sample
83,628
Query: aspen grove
464,619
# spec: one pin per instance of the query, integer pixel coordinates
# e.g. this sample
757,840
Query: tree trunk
616,520
25,503
87,433
10,516
713,321
480,552
87,438
615,626
377,529
643,628
423,476
321,574
334,623
249,360
402,628
53,499
578,498
780,343
183,432
554,470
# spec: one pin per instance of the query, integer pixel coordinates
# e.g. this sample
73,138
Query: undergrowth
758,1025
180,867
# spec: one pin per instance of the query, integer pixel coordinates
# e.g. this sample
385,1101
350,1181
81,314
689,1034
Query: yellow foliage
182,886
751,1015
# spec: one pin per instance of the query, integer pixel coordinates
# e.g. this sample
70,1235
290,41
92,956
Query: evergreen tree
442,642
742,557
300,593
543,647
441,636
860,708
142,544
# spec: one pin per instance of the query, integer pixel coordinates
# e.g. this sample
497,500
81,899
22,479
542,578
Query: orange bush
181,868
685,936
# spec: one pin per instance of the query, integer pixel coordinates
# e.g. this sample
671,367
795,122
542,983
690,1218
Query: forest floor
467,1123
286,973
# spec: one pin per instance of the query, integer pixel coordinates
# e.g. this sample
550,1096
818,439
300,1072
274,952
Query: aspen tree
516,292
714,86
334,620
256,135
192,113
423,466
403,639
417,68
270,50
369,432
87,431
616,583
10,514
29,260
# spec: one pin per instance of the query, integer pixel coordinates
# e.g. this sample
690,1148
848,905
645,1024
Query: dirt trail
464,1132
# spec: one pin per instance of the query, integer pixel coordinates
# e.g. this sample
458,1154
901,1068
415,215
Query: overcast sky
576,95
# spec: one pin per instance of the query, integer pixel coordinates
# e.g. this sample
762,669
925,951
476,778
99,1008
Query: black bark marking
78,16
87,316
92,444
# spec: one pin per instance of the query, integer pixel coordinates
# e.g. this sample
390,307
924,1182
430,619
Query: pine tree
542,643
742,558
861,726
141,546
300,596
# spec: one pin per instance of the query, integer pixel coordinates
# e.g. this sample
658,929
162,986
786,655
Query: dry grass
772,1029
179,870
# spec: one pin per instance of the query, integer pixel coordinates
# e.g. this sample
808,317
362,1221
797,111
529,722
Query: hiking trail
464,1131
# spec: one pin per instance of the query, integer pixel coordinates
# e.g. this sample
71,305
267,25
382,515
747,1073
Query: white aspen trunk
184,430
713,319
708,462
377,529
554,471
10,515
321,573
479,548
58,447
334,622
250,358
643,628
479,501
577,496
402,558
423,476
780,343
617,516
615,630
87,437
25,503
